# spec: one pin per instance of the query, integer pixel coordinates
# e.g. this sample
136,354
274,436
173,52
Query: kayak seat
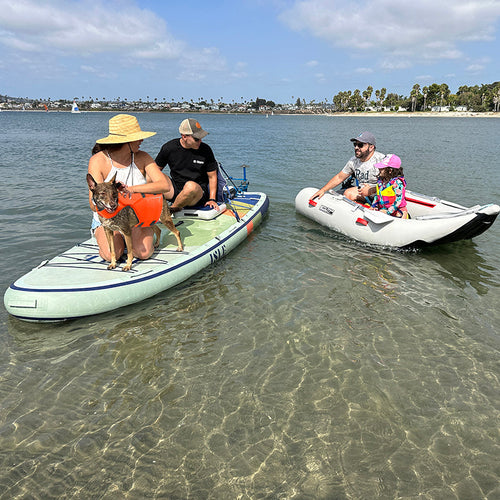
201,212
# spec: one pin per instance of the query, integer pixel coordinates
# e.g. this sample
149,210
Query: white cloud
85,28
390,64
364,71
92,70
239,71
320,77
312,64
89,69
197,64
394,30
475,68
424,78
96,28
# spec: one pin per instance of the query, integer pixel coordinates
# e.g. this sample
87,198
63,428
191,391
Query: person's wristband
211,199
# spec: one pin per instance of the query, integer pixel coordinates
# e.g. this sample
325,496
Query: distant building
440,109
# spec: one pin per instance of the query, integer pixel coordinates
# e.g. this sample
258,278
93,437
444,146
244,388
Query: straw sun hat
122,129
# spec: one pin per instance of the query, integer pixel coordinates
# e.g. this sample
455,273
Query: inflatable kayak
77,282
432,221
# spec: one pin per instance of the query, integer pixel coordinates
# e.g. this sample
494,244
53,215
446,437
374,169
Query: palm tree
367,94
383,91
444,92
415,92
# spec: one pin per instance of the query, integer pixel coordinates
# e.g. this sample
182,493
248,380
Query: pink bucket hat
391,161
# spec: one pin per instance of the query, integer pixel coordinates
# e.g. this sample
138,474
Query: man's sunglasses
359,144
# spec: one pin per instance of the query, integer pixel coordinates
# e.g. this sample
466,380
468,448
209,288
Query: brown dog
105,197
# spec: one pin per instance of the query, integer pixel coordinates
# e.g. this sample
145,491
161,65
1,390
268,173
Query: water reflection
302,365
463,263
460,262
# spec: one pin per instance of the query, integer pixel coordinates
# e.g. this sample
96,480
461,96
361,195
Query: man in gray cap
193,167
361,167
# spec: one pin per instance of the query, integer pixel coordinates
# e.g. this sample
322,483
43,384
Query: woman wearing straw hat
119,154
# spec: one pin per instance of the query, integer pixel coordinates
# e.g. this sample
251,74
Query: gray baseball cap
366,137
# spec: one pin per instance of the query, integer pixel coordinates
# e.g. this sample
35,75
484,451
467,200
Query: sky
239,50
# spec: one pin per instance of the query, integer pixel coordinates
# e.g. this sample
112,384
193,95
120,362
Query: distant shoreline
406,114
382,114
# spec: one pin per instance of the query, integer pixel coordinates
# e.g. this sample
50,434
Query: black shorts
204,187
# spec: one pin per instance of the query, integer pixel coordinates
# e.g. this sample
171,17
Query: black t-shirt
187,164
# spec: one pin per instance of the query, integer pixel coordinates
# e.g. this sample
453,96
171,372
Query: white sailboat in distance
74,108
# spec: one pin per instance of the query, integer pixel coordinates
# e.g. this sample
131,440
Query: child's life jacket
147,208
390,196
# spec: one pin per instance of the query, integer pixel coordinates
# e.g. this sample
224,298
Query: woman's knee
102,242
144,252
142,243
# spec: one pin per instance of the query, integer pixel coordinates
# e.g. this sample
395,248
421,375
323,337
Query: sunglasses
358,144
197,140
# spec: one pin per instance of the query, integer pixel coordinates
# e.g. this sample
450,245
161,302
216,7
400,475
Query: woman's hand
126,191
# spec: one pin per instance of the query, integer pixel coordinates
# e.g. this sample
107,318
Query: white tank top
130,176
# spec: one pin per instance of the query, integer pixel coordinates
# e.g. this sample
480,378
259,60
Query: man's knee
351,194
192,187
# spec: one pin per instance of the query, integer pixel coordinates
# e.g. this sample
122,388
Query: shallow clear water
303,365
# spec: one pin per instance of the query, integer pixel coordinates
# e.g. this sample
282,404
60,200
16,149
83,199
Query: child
391,187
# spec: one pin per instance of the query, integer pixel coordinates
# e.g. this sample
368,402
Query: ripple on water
302,365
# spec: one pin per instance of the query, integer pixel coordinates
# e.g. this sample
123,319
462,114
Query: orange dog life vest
147,208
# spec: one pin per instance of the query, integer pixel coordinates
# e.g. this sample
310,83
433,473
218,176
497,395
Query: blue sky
243,49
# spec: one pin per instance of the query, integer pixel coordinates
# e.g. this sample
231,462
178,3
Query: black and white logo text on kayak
326,210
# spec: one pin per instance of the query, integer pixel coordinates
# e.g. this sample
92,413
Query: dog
116,214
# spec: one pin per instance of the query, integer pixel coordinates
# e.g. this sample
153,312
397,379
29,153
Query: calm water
301,366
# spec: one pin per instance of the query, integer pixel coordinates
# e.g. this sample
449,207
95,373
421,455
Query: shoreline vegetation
433,100
382,114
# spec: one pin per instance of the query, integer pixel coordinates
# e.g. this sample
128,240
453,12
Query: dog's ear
91,182
113,179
